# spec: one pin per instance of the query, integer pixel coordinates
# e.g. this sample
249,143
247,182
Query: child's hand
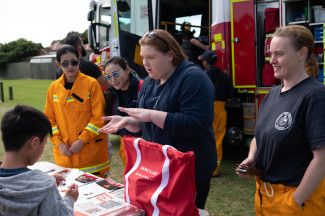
73,191
59,179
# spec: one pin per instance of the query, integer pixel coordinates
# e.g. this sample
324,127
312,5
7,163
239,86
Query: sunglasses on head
153,36
115,74
150,34
73,63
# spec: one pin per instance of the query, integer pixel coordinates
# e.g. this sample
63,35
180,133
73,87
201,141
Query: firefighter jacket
77,114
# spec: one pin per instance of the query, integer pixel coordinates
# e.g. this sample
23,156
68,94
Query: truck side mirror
91,15
92,37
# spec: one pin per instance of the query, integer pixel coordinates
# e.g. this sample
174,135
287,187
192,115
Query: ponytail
311,65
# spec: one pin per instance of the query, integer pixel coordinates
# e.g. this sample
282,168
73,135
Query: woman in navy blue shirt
175,106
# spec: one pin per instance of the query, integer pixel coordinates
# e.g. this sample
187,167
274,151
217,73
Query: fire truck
239,31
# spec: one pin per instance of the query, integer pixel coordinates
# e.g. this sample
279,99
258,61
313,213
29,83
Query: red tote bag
159,179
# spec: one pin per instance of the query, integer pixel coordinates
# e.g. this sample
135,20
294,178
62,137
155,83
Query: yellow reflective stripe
96,168
55,130
218,39
92,128
88,96
213,46
70,99
55,98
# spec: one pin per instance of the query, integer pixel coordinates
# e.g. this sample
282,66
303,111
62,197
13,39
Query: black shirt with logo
289,127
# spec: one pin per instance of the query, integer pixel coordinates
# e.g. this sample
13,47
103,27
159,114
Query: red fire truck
239,31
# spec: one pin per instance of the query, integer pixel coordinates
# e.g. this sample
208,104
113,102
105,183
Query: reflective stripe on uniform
92,128
69,99
96,168
55,98
55,130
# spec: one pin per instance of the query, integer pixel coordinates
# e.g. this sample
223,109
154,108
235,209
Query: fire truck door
243,43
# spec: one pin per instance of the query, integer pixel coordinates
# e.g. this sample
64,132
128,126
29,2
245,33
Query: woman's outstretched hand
139,114
115,123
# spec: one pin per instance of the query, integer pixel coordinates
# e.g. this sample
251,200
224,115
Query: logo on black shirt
283,121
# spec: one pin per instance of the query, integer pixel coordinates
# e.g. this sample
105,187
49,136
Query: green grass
229,195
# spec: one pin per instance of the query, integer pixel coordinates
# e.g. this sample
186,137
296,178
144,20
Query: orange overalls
277,200
219,127
77,114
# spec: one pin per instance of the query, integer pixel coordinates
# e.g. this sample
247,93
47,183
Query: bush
18,50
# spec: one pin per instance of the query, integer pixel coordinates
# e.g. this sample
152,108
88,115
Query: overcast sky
41,21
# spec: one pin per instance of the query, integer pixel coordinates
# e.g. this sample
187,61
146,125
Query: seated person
23,191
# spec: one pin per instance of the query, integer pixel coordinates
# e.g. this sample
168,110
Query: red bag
159,179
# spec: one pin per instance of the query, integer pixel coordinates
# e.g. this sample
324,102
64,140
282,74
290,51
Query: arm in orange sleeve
97,112
49,112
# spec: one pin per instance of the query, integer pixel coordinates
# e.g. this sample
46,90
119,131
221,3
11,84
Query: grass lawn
229,195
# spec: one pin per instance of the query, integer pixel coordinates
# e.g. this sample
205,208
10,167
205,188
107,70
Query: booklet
105,204
86,178
109,184
97,196
45,167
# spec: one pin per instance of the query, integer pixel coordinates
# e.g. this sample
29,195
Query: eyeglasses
73,63
115,75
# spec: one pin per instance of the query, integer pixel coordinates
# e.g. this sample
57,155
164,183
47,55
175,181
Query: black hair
212,60
118,61
20,124
64,50
74,39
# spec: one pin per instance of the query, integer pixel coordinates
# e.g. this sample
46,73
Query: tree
18,50
84,36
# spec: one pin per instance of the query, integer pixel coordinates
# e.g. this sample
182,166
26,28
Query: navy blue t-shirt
187,97
289,127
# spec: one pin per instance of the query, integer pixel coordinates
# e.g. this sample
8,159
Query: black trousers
202,192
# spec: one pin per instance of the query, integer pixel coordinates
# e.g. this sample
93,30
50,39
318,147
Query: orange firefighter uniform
219,127
77,114
277,199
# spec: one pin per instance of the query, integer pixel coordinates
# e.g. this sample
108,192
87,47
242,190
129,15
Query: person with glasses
175,106
85,66
125,85
75,106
